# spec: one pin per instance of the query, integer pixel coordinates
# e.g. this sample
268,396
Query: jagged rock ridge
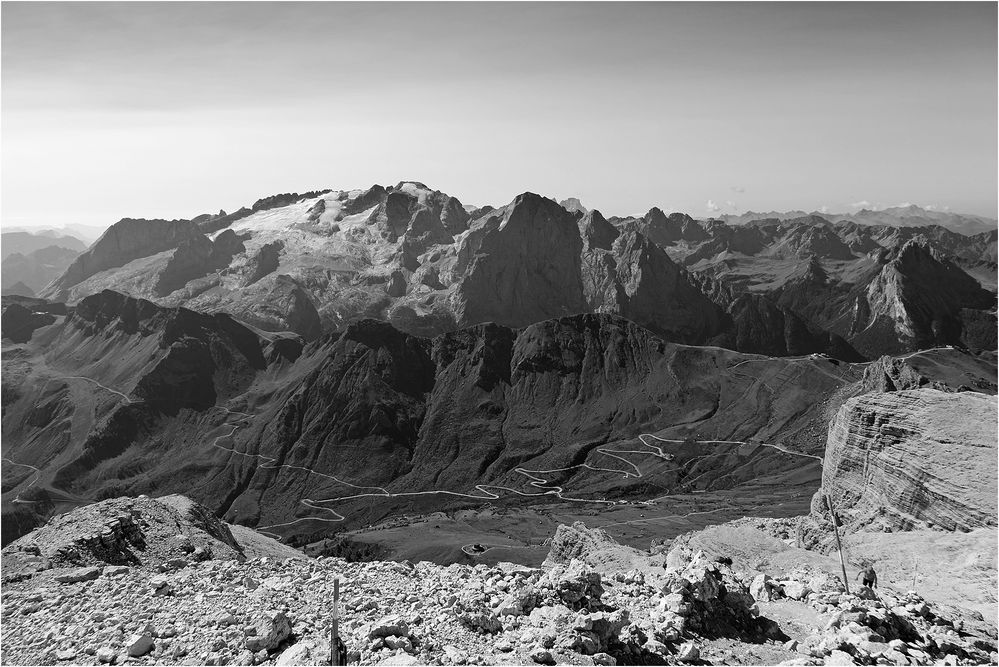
416,257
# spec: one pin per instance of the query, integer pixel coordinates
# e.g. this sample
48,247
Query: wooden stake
335,657
839,545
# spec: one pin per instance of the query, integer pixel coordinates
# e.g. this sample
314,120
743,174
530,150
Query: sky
175,109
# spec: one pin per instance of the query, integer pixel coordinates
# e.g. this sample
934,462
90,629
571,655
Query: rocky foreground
227,608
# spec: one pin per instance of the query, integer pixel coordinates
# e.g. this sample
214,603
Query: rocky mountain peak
597,231
573,205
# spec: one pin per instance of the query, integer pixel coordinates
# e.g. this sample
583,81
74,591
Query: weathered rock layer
901,459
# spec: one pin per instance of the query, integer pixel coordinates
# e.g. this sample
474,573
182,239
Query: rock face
967,372
534,260
593,547
511,275
909,458
197,257
124,241
917,300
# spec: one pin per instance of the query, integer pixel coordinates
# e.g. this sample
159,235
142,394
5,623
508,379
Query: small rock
161,586
308,652
604,658
895,657
394,624
396,643
762,588
688,653
245,658
482,621
542,656
796,590
455,656
138,645
839,658
106,655
270,629
78,574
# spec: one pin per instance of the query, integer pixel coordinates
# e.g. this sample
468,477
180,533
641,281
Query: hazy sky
171,110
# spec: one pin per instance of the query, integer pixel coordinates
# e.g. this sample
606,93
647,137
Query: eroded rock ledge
906,459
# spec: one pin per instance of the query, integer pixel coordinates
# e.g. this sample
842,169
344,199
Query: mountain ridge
418,258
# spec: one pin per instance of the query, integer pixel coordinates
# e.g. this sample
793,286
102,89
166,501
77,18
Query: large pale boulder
905,459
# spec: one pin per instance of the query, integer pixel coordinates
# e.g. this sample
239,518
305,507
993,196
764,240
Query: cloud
863,203
824,209
732,205
737,188
712,206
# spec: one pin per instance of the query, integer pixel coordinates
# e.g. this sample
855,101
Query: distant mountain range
33,259
896,216
85,233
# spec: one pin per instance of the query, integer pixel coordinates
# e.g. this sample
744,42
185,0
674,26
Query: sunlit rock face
904,459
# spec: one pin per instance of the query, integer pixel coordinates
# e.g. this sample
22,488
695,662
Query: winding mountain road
851,363
487,491
17,498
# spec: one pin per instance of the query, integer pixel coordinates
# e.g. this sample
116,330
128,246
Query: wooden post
839,545
335,657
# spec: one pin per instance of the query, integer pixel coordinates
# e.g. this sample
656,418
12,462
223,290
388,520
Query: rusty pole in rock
842,563
335,657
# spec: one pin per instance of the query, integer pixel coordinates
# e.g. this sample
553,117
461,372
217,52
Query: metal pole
335,657
839,545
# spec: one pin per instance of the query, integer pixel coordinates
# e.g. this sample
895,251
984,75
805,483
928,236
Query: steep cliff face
123,242
626,274
520,264
902,460
197,257
916,300
660,295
